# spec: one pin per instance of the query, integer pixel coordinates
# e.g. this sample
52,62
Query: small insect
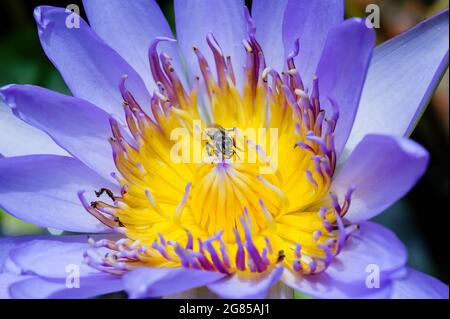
281,256
221,144
99,193
117,220
107,191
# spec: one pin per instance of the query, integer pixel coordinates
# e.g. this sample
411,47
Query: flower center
239,184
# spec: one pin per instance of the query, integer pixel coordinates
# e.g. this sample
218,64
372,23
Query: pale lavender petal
372,245
76,125
417,285
39,288
382,169
342,71
239,286
48,256
91,69
370,251
402,77
18,138
224,19
146,282
310,21
42,190
51,256
325,287
129,27
7,243
6,280
268,16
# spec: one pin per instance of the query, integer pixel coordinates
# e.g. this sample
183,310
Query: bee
221,144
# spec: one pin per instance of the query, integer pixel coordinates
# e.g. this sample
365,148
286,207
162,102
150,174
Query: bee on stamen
221,144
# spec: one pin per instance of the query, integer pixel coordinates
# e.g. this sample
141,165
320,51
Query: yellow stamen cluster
226,213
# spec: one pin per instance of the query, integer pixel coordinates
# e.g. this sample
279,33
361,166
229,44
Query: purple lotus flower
159,227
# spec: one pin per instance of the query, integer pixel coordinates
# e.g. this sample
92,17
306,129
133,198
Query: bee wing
216,126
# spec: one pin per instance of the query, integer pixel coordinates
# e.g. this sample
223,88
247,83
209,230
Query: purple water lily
100,162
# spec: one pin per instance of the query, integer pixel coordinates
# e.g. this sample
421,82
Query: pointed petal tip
40,16
360,23
37,14
7,96
415,149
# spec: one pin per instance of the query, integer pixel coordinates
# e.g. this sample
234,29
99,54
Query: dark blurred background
420,219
